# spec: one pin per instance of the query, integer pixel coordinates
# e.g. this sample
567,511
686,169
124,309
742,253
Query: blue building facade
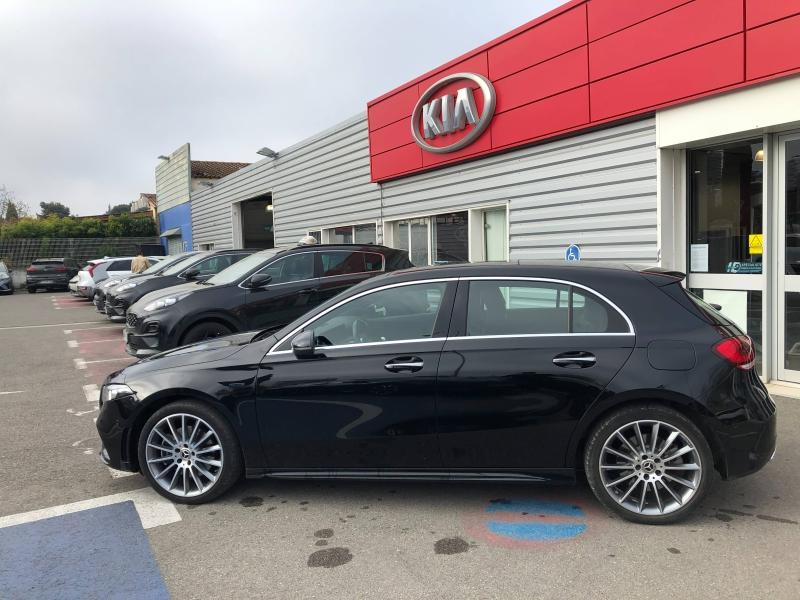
175,225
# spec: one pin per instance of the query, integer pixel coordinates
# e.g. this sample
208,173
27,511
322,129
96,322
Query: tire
204,330
655,497
180,475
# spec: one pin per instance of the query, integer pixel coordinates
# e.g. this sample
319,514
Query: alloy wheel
650,467
184,455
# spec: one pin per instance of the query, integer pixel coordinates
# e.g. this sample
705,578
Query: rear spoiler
660,277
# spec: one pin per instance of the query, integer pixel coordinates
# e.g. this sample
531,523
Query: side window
341,263
520,307
390,315
213,265
373,262
591,315
120,265
295,267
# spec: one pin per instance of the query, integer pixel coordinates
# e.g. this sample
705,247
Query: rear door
119,268
290,293
524,360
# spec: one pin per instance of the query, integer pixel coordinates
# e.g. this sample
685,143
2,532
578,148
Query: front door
290,293
523,363
367,401
788,352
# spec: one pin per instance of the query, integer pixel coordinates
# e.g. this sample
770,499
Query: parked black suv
51,273
201,266
264,290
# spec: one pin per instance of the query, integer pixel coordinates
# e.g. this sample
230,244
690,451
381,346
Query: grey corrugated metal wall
172,179
322,181
596,189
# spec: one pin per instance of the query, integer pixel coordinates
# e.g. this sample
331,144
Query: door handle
306,291
411,364
580,360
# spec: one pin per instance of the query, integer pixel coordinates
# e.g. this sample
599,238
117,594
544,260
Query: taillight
90,269
738,351
61,269
30,270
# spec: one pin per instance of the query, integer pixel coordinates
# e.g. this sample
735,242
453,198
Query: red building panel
474,64
392,136
703,69
760,12
608,16
539,119
545,79
564,32
773,48
677,30
397,161
393,108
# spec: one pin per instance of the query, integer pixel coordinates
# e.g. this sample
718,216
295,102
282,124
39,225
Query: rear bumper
59,281
747,447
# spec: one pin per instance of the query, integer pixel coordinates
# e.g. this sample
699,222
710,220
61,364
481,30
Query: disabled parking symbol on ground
528,523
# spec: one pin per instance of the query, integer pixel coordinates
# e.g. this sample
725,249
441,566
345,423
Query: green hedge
68,227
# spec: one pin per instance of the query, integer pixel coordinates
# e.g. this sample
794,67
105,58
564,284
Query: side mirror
303,345
191,274
259,280
715,306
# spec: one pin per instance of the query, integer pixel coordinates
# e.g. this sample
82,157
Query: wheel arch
685,405
214,317
160,400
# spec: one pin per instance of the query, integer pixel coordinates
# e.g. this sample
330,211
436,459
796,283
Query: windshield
238,270
181,265
160,265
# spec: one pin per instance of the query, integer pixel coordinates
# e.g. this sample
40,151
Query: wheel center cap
648,466
185,453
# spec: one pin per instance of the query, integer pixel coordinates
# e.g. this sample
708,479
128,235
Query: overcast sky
91,91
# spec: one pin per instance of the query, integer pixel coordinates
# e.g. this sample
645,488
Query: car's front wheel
189,453
204,331
649,463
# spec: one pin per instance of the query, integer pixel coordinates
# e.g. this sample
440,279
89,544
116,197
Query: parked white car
98,271
83,280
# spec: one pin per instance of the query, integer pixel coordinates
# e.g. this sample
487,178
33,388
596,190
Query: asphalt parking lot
72,528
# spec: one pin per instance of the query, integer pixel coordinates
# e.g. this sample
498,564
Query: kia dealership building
663,132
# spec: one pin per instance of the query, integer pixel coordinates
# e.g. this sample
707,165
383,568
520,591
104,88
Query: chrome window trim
631,330
366,344
350,299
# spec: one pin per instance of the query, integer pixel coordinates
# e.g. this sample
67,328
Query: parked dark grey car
51,273
6,284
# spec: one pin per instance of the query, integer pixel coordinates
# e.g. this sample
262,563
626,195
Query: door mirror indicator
303,345
191,274
259,280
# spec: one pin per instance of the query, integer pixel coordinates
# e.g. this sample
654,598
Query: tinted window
120,265
395,314
215,264
242,267
509,308
341,263
373,262
295,267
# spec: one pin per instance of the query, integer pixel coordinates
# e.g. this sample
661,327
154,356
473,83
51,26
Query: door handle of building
579,360
400,364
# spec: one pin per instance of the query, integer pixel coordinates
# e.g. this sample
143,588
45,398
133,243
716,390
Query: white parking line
153,509
76,343
92,392
52,325
72,343
111,326
14,392
81,364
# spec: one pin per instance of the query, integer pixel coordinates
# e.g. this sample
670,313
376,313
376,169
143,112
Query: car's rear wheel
204,331
189,453
649,464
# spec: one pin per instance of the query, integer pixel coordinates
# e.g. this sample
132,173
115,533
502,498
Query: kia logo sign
438,117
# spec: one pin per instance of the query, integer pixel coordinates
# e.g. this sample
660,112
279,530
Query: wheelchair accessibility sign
572,253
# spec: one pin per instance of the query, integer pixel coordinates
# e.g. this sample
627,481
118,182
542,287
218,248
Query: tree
118,209
12,214
53,208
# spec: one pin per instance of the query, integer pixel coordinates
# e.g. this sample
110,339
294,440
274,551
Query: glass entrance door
789,258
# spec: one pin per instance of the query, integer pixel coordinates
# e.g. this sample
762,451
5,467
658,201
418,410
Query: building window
317,235
348,234
206,247
726,207
454,237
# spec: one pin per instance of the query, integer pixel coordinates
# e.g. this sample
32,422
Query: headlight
163,302
114,391
127,286
113,282
4,276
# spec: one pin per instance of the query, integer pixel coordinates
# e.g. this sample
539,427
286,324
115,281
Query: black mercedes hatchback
199,266
512,372
267,289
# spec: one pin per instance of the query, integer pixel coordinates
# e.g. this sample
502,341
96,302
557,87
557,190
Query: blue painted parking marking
96,553
538,532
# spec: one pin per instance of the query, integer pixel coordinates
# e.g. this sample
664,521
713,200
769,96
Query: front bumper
115,426
115,309
142,337
6,286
